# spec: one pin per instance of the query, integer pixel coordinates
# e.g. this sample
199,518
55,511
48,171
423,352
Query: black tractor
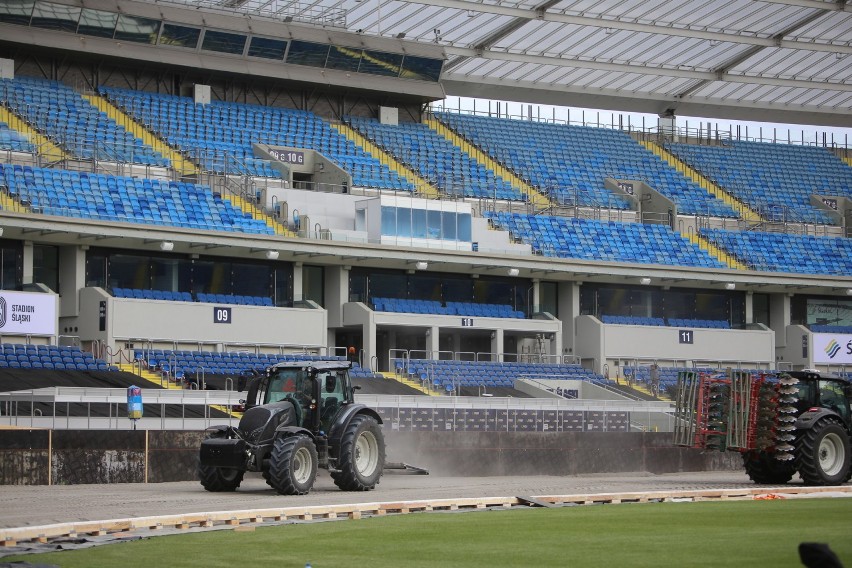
793,422
820,433
299,416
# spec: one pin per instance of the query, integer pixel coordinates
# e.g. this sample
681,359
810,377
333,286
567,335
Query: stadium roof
763,60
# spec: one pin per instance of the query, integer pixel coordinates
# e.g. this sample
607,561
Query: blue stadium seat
781,252
219,135
79,128
775,180
540,152
92,195
603,241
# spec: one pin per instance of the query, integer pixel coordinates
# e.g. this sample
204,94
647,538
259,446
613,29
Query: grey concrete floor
41,505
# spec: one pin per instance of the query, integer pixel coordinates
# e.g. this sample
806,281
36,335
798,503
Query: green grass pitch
718,534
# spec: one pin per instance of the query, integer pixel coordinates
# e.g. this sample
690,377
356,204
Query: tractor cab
826,391
317,389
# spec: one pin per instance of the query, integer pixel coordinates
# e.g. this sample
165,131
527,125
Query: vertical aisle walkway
424,188
181,165
539,200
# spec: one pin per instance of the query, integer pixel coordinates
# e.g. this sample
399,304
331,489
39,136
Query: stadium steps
424,188
180,164
7,203
259,215
150,376
643,388
741,208
155,380
536,198
409,383
46,148
847,161
716,252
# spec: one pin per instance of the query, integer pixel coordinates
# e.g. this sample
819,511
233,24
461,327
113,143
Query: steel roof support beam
644,70
653,103
530,14
751,52
502,32
838,6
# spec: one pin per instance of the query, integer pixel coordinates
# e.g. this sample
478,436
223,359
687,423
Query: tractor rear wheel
220,478
293,465
763,468
361,460
822,454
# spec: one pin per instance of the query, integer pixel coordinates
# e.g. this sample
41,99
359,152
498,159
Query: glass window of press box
179,36
136,29
111,269
55,17
425,224
46,266
11,265
365,284
611,300
821,310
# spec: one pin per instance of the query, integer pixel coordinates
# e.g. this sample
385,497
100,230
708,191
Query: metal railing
24,408
693,131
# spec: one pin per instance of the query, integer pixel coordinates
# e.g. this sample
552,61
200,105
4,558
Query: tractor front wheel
292,465
763,468
361,460
822,454
220,478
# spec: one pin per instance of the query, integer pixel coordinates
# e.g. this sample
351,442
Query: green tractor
299,416
794,422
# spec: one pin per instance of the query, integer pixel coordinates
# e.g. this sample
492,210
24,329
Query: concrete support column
7,68
497,343
569,309
72,277
336,293
298,294
368,330
667,124
555,343
749,307
536,296
28,262
779,317
433,344
456,342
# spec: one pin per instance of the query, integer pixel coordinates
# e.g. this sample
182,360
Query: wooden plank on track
252,517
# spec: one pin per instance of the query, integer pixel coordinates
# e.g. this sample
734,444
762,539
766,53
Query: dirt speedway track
41,505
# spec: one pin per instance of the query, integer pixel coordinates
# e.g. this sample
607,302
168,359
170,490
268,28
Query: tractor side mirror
356,387
330,383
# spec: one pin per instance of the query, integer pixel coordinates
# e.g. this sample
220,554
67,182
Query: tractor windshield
289,383
832,395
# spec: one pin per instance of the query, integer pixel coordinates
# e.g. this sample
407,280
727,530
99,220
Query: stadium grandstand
193,190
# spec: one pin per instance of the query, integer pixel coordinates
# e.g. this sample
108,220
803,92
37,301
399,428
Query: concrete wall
798,348
493,240
607,342
330,210
43,457
162,320
558,453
